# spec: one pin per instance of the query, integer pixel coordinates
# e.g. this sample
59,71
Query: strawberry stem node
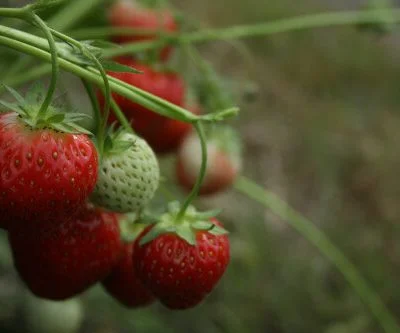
185,227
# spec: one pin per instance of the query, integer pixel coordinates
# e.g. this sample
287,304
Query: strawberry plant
53,170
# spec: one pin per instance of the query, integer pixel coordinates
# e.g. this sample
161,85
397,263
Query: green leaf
56,118
156,231
11,106
121,146
218,231
116,67
202,225
98,43
186,233
16,95
74,116
108,144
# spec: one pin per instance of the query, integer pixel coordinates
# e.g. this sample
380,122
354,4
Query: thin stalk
121,117
261,29
316,237
101,130
20,13
130,92
54,64
196,188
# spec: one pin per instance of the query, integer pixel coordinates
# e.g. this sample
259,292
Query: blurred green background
320,122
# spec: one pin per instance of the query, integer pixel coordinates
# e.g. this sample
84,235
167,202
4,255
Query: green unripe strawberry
128,174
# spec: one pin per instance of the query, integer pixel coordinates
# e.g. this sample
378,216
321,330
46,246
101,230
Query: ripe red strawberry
123,283
180,274
44,172
145,122
223,157
126,14
58,259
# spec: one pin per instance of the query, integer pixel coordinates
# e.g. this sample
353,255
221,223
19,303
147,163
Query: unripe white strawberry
128,175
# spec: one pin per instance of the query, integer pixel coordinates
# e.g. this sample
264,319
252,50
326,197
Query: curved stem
54,63
101,129
121,117
316,237
196,188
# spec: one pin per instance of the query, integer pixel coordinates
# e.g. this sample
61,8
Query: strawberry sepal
186,227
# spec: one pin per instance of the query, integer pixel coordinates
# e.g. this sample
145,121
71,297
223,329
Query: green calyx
28,110
185,227
116,141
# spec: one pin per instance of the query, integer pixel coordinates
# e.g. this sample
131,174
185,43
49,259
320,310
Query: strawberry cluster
74,212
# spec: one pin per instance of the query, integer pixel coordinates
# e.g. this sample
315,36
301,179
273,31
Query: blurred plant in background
320,125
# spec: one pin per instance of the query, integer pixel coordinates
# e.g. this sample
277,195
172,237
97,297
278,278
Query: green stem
257,30
121,117
54,63
203,168
132,93
101,130
104,32
143,98
316,237
20,13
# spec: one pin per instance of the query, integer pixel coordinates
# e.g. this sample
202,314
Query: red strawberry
44,173
124,285
179,274
126,14
145,122
60,259
223,157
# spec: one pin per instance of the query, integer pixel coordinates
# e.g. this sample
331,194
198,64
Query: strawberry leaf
202,225
156,231
11,107
56,118
186,233
116,67
15,94
102,44
218,231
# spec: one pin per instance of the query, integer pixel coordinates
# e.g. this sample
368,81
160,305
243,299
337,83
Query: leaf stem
54,63
20,13
102,120
253,30
316,237
196,188
121,117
